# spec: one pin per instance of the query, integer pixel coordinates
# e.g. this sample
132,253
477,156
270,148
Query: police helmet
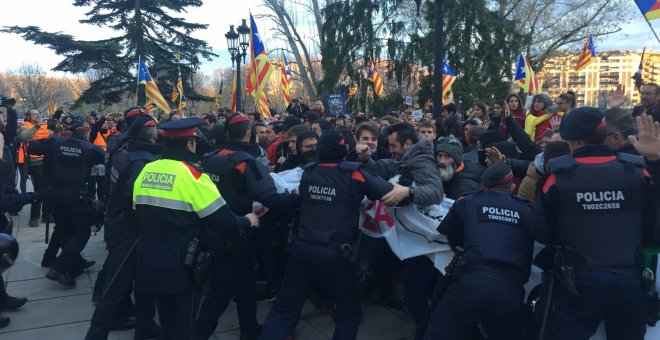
6,224
8,251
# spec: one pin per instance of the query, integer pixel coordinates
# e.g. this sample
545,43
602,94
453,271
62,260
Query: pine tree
480,47
147,28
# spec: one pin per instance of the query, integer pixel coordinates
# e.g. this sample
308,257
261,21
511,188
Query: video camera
7,102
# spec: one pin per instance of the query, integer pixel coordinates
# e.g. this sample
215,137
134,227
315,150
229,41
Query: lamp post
438,55
237,44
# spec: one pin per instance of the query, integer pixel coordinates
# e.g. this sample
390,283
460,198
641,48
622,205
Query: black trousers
73,226
118,293
175,313
233,276
38,183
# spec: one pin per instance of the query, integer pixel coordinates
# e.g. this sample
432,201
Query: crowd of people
193,217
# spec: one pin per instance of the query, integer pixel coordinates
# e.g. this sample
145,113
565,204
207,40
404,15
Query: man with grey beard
458,177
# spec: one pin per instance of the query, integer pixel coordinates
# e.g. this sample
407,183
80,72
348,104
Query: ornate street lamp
237,44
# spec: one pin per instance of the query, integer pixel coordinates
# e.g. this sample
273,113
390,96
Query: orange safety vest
42,133
101,139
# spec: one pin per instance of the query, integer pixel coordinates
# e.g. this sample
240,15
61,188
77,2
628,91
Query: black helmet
8,251
6,224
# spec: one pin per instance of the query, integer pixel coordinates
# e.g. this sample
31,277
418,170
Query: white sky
61,15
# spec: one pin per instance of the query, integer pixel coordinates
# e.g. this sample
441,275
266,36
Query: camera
7,102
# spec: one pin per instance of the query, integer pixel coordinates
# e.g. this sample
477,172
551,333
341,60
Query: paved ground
58,313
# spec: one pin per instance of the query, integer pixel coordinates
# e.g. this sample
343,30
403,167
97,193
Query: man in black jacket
458,177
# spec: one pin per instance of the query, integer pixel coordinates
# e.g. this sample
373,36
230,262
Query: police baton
546,310
47,213
121,266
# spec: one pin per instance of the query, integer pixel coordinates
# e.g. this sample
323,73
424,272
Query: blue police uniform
597,209
331,193
116,283
494,229
242,180
67,164
600,208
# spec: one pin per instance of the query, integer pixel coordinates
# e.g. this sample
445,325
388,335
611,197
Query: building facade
593,84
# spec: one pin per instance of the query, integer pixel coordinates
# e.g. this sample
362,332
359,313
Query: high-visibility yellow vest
176,185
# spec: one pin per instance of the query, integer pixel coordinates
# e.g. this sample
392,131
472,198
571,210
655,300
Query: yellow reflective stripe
211,208
170,184
162,202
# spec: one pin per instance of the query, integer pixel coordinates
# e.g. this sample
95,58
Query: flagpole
137,86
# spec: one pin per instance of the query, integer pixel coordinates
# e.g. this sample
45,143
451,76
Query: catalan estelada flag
650,8
150,106
150,86
52,106
448,78
219,95
264,108
525,76
233,94
260,67
179,89
286,81
372,74
588,55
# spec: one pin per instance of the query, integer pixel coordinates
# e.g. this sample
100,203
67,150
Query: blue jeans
617,299
309,263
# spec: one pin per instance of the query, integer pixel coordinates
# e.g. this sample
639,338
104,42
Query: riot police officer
184,225
322,248
67,164
596,210
116,283
493,230
242,180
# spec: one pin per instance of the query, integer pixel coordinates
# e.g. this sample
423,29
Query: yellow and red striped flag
525,76
375,78
588,55
286,81
217,96
151,88
448,79
150,106
264,108
52,106
233,95
260,67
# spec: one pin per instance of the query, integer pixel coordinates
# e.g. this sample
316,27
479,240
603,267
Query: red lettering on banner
383,216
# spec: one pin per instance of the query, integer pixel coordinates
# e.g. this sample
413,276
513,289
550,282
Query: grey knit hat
451,146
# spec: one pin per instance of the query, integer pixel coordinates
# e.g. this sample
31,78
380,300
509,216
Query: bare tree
554,24
33,86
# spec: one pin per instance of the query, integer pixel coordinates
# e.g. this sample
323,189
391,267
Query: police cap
331,146
79,125
180,128
581,122
140,122
135,110
496,175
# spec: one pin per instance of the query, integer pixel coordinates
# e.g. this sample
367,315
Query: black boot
4,321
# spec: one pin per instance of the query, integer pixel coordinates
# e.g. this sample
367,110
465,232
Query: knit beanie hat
331,147
451,146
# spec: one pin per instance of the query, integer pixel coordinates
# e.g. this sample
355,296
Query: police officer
242,180
596,209
322,249
116,284
68,162
493,228
8,254
180,212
